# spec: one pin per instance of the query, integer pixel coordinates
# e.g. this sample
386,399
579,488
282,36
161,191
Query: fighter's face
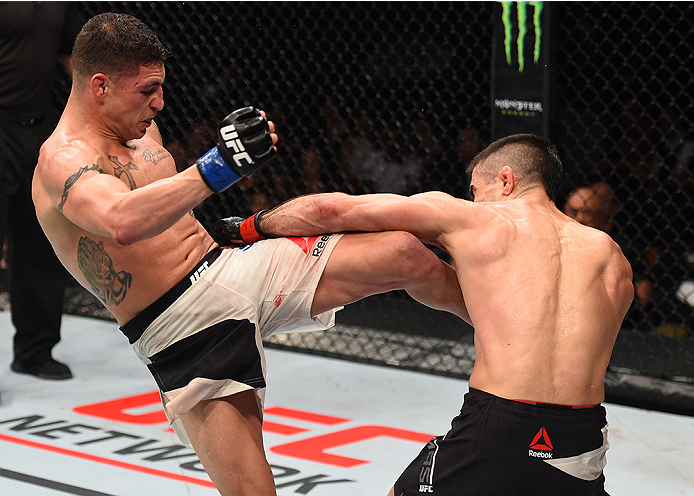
136,100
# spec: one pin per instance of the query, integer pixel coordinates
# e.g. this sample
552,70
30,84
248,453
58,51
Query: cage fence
395,97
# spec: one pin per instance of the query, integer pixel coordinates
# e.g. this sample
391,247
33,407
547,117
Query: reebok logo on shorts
313,245
541,446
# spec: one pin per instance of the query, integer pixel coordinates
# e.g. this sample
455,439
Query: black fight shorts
500,447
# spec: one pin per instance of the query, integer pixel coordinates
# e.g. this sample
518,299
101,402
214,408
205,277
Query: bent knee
415,259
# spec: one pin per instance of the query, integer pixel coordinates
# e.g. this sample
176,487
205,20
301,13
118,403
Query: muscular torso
544,296
125,278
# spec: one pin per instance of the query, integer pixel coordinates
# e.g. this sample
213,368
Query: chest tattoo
73,179
97,266
120,169
156,156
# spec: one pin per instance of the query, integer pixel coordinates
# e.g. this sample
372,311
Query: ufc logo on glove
231,140
244,145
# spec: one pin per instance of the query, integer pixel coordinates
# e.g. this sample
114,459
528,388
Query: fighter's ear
508,180
99,84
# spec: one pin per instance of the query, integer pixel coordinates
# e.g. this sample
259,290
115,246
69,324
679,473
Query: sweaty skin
89,165
126,277
545,294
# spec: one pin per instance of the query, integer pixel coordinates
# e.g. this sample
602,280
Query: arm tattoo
120,169
73,179
154,157
110,286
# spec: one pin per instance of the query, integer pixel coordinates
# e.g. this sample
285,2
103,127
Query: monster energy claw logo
522,30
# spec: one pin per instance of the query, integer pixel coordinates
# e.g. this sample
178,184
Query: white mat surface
332,427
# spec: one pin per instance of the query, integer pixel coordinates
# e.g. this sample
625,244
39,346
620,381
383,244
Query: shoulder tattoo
97,266
73,179
120,169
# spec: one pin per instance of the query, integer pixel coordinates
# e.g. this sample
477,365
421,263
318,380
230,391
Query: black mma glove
233,231
244,145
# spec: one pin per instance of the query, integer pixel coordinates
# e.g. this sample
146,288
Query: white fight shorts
203,338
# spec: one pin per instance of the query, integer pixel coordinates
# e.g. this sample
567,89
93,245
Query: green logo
521,14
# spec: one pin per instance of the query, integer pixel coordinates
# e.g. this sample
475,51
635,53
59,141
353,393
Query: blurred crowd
639,188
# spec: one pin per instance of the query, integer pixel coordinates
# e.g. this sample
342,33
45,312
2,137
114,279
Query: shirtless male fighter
120,219
546,296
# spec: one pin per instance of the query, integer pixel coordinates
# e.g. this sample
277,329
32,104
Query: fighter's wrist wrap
250,230
216,173
244,145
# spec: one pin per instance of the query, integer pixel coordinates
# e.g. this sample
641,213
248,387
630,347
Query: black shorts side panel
226,350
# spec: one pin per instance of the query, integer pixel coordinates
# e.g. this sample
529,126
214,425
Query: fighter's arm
74,177
619,282
430,216
99,202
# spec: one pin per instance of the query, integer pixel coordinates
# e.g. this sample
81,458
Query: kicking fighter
546,296
120,219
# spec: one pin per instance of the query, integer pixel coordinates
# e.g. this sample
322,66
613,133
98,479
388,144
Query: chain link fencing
382,96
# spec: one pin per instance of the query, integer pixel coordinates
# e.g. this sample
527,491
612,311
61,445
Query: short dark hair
534,158
115,44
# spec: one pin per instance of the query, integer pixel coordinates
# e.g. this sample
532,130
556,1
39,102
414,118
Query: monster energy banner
520,69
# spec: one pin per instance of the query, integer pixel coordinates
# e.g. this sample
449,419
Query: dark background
397,83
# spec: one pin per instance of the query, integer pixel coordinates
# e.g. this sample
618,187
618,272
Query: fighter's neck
88,124
532,196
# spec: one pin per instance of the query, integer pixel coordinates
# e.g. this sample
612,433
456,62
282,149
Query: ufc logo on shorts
232,141
196,275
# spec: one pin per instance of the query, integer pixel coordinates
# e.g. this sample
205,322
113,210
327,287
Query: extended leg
226,434
365,264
